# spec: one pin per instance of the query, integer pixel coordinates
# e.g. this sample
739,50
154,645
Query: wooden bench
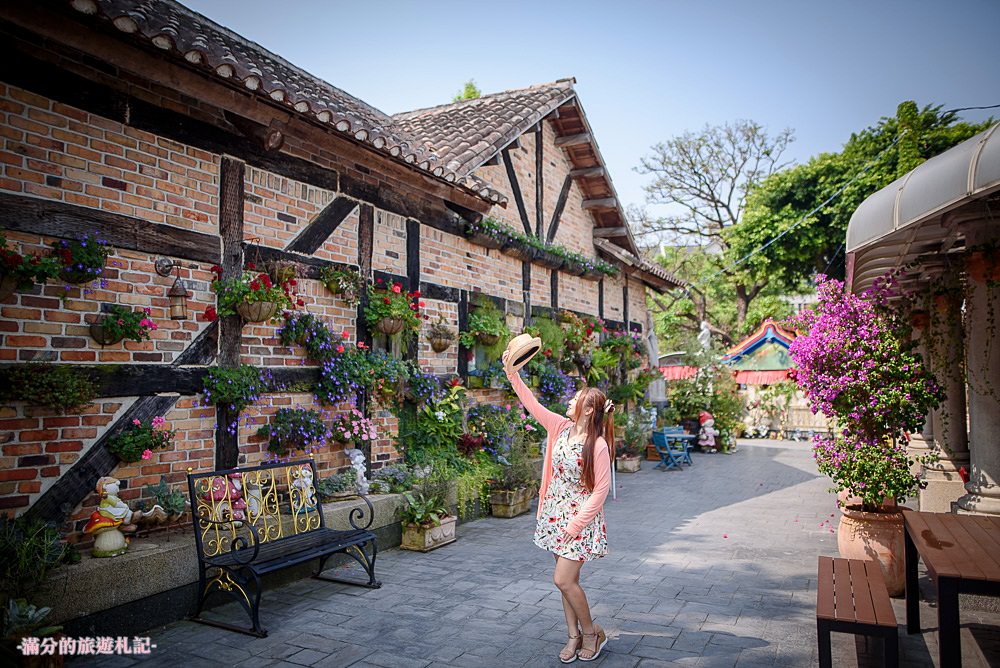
253,521
851,598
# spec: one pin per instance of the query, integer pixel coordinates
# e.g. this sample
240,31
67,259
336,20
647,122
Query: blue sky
649,70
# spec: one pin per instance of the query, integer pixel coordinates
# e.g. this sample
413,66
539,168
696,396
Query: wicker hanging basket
102,335
390,326
257,311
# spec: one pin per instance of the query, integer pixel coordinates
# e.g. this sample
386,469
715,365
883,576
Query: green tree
469,92
783,198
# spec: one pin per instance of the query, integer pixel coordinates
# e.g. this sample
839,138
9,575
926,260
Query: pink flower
396,288
136,422
158,421
147,453
344,335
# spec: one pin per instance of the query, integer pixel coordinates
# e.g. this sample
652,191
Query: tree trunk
742,304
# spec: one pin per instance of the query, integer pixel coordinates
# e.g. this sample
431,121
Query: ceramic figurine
112,517
706,437
307,490
358,462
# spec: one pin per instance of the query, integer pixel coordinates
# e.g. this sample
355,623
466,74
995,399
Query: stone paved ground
712,566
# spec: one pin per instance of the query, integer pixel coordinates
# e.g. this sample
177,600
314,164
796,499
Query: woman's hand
505,359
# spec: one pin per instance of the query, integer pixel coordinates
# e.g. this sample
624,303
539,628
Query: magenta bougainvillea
857,365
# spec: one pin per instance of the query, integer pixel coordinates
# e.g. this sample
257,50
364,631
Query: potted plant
440,335
857,365
282,271
236,387
139,439
511,491
488,327
343,282
636,435
344,373
22,620
171,500
20,272
122,323
391,310
476,380
353,427
82,260
62,387
252,295
982,263
489,233
426,523
339,486
294,429
391,479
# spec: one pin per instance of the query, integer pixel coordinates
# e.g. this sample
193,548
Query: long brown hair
599,423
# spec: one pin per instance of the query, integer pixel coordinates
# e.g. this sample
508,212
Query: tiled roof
466,134
186,35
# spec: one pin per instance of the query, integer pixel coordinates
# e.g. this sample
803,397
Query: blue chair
667,459
679,444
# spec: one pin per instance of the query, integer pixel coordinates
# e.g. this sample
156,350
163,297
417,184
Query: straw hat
522,348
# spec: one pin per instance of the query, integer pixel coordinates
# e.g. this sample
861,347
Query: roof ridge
564,83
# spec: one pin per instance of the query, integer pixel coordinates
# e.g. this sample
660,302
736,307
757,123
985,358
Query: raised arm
545,417
602,483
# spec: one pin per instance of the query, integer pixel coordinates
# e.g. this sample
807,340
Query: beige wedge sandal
591,649
568,653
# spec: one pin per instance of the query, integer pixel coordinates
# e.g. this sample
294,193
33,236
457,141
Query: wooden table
962,555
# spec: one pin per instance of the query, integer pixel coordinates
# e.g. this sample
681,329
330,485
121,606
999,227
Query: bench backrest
278,500
673,430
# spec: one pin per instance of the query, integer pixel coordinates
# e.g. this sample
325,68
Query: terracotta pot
257,311
390,326
572,346
651,454
942,303
629,464
8,285
920,319
425,539
875,537
99,334
488,339
982,266
439,344
510,502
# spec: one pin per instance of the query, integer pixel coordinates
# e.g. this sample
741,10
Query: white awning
902,222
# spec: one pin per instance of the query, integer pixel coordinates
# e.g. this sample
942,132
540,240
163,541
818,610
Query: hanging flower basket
484,240
76,276
487,339
593,274
8,284
390,326
440,344
104,336
520,251
281,271
574,268
257,311
548,259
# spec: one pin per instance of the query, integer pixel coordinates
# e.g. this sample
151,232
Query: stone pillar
982,312
922,443
945,344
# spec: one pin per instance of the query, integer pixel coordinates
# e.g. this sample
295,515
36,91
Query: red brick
79,433
13,501
50,472
64,446
32,487
18,449
38,435
77,356
26,341
19,474
20,423
68,421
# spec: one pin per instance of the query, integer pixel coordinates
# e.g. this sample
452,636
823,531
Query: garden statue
705,335
226,498
358,462
112,517
706,437
303,482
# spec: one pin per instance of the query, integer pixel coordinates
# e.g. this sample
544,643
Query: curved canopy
902,221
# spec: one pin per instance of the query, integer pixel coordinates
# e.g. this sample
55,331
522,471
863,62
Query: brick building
173,137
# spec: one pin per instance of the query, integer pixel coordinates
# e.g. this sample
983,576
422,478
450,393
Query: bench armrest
238,544
357,514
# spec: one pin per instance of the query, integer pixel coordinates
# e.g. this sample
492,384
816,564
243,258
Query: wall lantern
177,292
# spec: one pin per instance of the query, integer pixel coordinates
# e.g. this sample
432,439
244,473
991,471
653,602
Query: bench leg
237,586
356,552
825,653
890,651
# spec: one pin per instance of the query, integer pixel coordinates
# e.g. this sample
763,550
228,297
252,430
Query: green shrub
62,387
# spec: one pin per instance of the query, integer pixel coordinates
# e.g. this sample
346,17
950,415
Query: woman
575,481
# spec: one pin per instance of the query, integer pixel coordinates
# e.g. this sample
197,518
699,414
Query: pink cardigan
554,425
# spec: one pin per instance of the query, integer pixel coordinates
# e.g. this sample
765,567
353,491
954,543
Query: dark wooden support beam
515,189
584,172
560,205
413,275
389,278
232,178
71,221
554,289
573,140
463,324
439,292
526,291
493,161
515,144
366,247
322,226
600,299
539,182
625,300
270,137
308,266
600,203
610,232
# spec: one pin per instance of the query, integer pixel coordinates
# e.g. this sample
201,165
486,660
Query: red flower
386,300
300,302
340,348
255,285
345,335
251,266
416,293
361,345
427,317
216,269
421,304
293,282
266,280
397,288
454,382
210,314
378,281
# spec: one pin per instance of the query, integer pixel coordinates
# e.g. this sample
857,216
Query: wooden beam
515,144
600,299
366,246
560,205
322,226
539,181
71,221
585,172
610,232
554,289
526,290
515,189
413,274
573,140
463,324
601,203
232,179
493,161
308,265
625,299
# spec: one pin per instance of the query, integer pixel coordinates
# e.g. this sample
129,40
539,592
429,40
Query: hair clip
609,406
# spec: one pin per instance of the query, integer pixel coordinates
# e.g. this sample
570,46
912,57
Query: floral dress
564,497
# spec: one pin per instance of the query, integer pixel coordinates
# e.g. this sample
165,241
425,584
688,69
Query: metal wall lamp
178,291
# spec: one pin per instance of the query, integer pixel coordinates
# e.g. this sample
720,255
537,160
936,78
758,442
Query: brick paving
711,566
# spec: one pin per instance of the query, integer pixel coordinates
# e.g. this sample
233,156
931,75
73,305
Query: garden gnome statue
705,335
112,517
706,437
358,462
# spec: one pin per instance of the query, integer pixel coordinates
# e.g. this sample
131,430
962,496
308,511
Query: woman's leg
567,579
568,652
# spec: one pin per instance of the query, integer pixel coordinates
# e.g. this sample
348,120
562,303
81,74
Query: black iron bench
257,520
851,597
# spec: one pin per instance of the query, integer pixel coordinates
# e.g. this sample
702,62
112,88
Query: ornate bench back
277,500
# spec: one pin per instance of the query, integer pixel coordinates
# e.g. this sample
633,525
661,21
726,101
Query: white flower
439,415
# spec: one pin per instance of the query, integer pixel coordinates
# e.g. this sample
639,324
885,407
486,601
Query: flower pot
983,266
487,339
439,344
920,319
574,269
548,259
475,382
592,274
8,285
510,502
629,464
257,311
651,454
519,251
390,326
427,538
77,276
484,240
102,336
281,272
876,537
571,346
533,381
